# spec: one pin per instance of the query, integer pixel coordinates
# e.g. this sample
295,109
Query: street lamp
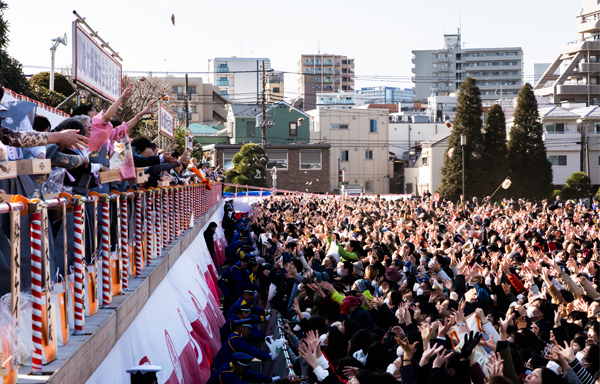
463,143
58,40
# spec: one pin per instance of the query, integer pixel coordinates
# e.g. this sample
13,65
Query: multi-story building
438,72
238,78
323,73
339,100
386,95
287,125
359,146
274,87
578,79
205,103
538,71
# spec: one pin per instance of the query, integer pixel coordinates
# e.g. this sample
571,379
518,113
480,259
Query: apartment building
574,77
206,105
238,78
386,95
274,87
359,146
323,73
438,72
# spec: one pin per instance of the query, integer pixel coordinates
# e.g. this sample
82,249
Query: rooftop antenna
459,26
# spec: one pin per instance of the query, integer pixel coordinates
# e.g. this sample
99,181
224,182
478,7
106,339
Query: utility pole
263,120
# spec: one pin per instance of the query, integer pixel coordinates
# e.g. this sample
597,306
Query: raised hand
471,341
442,358
407,348
521,323
495,365
428,353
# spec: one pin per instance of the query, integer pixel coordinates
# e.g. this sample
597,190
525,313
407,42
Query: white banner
95,67
178,328
166,122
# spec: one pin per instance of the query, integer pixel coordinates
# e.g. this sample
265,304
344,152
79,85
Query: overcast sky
379,35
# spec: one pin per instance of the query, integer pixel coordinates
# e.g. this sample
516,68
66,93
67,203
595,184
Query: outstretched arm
131,123
115,107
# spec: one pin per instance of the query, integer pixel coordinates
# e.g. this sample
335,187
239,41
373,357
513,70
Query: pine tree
531,172
495,151
249,167
467,121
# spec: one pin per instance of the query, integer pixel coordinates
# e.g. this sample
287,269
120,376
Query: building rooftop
204,130
245,110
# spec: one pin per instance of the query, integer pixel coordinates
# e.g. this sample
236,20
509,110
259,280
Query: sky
378,34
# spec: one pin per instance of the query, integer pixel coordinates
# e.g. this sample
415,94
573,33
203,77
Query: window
425,161
558,160
338,126
597,125
310,160
368,185
278,159
369,154
228,157
372,126
293,129
192,90
557,128
344,155
250,128
275,89
223,93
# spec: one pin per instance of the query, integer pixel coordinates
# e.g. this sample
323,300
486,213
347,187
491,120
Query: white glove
268,311
267,317
271,356
275,378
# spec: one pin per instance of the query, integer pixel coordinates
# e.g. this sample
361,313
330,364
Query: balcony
223,83
222,69
589,26
443,68
589,67
442,88
443,59
578,89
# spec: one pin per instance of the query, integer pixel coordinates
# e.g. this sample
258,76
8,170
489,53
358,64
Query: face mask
374,284
340,272
530,312
386,302
488,281
580,355
419,292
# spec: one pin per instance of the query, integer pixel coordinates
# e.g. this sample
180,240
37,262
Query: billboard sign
95,67
166,122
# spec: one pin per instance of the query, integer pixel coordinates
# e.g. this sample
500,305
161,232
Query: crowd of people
375,291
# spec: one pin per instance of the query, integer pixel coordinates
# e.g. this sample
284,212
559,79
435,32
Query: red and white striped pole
79,257
197,201
178,211
124,245
165,216
171,206
186,204
138,233
36,285
105,198
149,214
158,219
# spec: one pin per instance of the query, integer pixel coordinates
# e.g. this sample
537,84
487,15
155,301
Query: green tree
248,163
531,172
578,185
11,70
180,141
495,151
61,84
467,121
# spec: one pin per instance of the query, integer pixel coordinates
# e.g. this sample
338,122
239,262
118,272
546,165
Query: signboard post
166,122
94,67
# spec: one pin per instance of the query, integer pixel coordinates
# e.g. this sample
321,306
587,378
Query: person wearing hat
237,342
351,306
242,312
238,372
144,374
248,298
233,280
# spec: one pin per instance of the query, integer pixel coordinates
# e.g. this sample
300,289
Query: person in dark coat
238,372
237,342
210,239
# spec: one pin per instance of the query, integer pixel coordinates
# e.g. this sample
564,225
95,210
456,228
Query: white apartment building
498,71
339,100
574,77
359,146
424,169
238,78
404,135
